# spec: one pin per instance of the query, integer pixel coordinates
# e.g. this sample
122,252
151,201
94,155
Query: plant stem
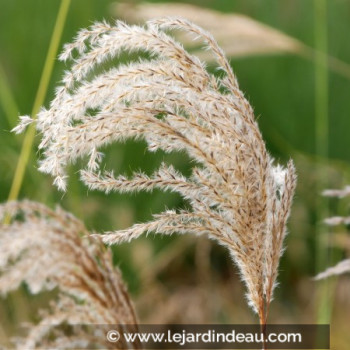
39,99
263,320
321,138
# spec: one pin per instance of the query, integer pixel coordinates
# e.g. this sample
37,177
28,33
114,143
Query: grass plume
342,266
238,196
45,249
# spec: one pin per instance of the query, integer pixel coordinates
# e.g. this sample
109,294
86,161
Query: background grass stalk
39,99
321,137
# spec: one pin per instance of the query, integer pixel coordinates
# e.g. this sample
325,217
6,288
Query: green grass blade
39,99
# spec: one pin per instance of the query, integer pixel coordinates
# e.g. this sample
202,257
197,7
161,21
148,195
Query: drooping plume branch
238,196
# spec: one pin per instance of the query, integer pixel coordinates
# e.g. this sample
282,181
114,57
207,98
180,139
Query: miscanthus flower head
237,195
51,250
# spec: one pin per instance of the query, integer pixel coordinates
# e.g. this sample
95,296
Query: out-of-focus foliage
280,88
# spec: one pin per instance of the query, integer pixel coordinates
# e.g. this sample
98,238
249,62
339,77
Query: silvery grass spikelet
238,196
344,265
52,250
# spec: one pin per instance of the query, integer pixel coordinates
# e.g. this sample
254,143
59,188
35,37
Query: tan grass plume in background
237,195
237,34
46,250
342,266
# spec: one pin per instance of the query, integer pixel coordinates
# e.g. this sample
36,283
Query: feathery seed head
238,196
46,250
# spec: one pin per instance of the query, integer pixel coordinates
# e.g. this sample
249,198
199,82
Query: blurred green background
292,98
